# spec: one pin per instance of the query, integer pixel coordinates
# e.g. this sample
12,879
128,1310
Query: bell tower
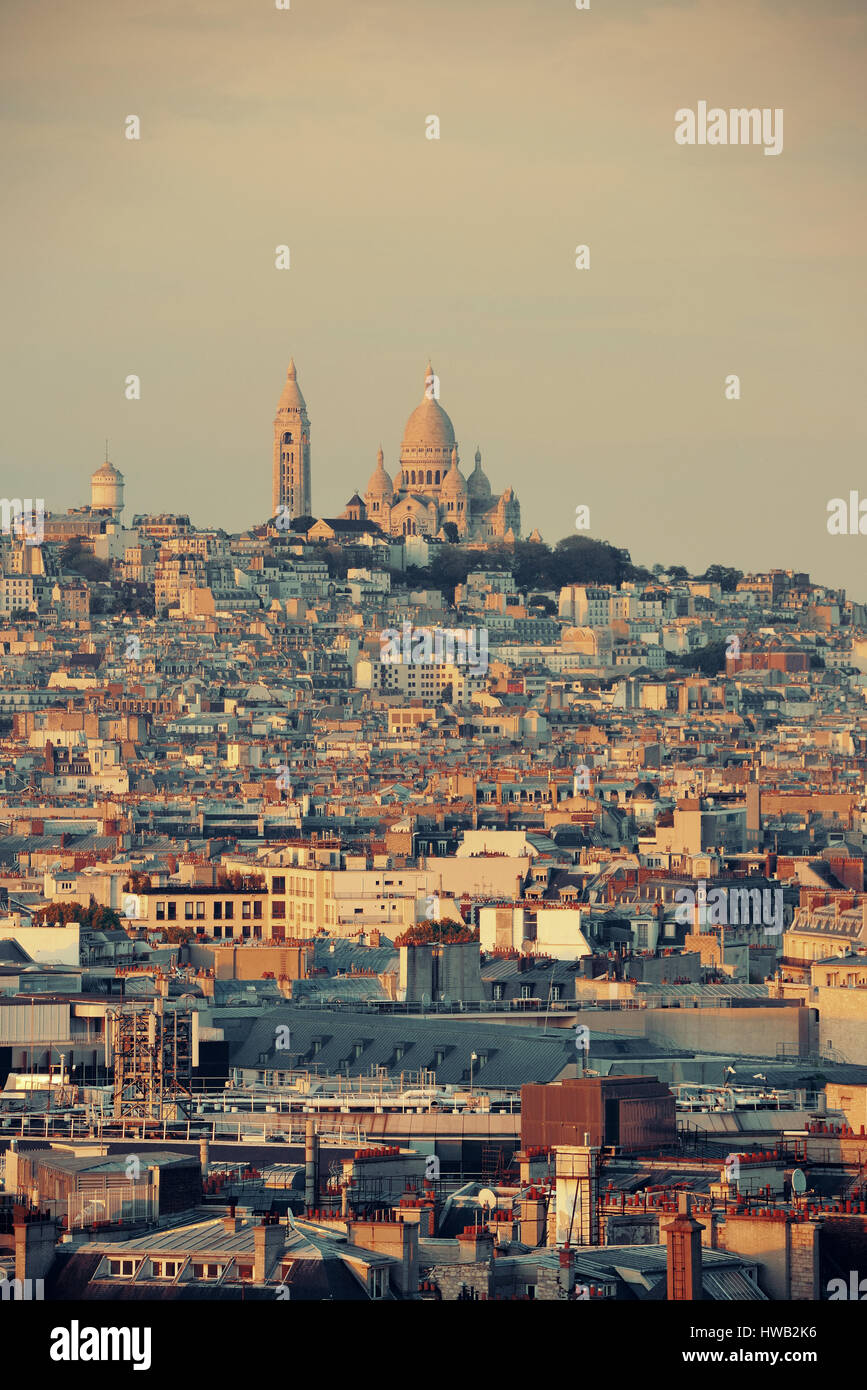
291,475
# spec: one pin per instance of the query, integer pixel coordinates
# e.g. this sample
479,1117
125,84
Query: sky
603,387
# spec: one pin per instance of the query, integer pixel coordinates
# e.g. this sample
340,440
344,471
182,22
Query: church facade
429,490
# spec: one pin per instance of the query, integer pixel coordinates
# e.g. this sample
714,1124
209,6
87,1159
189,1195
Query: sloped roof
516,1054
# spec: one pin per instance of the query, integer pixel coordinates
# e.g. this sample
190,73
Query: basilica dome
428,427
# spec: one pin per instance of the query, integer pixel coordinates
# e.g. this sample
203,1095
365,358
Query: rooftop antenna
106,451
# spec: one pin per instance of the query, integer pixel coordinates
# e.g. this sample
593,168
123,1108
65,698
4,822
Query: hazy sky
602,387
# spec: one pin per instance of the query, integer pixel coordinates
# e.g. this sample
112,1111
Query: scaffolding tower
153,1051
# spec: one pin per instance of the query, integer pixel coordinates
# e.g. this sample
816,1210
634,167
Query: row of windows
168,911
298,887
169,1269
528,992
433,476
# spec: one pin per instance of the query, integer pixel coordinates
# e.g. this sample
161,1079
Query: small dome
380,485
106,473
454,484
478,486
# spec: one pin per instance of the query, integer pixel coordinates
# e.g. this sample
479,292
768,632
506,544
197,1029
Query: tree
581,560
450,566
82,562
337,561
177,936
95,917
238,882
728,579
549,608
710,660
448,933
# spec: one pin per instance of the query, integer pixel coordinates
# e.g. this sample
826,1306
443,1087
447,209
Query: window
245,910
278,911
161,912
218,912
188,912
200,911
499,991
172,912
230,912
278,884
257,911
526,991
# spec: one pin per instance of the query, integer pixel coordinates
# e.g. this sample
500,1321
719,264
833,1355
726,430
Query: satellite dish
799,1182
487,1198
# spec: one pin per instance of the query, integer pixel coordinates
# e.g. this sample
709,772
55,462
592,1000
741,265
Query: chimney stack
268,1242
311,1164
683,1239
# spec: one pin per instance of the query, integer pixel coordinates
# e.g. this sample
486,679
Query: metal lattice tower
153,1051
